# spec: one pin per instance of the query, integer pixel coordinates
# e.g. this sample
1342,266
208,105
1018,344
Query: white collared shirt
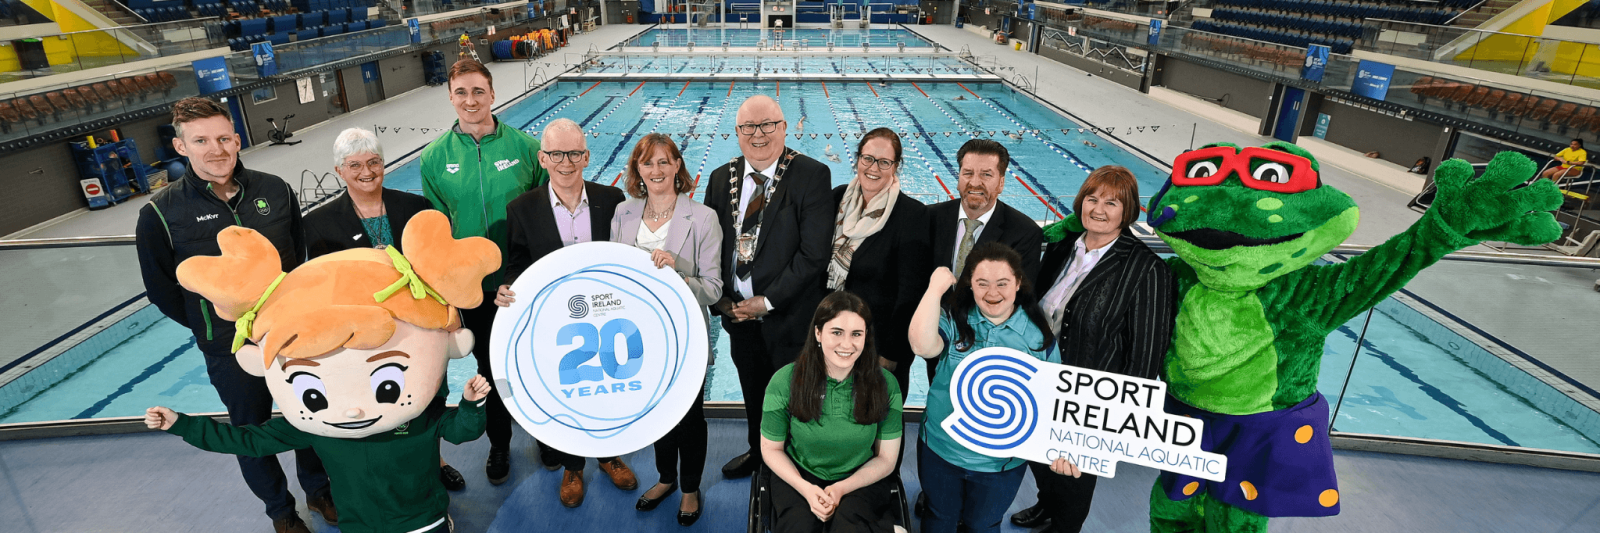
746,192
1083,261
961,233
572,224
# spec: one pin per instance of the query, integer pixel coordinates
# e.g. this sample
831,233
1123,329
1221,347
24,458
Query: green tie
966,243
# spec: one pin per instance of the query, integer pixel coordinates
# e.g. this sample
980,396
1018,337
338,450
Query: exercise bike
280,134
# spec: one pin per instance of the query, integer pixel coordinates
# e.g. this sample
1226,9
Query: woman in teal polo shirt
830,428
993,305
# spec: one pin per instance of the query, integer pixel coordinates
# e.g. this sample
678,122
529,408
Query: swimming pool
1407,381
749,37
888,65
1051,154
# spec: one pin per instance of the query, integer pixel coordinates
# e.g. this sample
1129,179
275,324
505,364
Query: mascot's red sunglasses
1258,168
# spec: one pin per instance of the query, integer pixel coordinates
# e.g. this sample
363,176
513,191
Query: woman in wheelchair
830,428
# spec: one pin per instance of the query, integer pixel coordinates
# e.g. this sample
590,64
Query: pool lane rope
1018,166
926,162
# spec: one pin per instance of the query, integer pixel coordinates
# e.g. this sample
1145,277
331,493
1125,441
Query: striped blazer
1121,317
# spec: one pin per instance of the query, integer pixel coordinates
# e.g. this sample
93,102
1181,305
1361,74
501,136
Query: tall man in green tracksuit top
470,174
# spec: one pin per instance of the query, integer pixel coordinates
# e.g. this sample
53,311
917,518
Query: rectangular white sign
1008,404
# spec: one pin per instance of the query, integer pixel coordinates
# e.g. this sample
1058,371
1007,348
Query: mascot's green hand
1059,230
1491,207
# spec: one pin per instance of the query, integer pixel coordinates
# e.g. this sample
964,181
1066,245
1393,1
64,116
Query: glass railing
57,106
1541,58
75,51
67,104
1128,7
1442,360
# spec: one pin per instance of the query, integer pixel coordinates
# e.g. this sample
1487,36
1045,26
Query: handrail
130,10
1464,11
173,23
65,242
1475,30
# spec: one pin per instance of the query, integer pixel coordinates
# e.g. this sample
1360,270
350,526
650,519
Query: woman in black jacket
1111,303
364,215
880,247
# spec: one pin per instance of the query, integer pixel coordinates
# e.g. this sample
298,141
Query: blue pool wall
73,359
1541,395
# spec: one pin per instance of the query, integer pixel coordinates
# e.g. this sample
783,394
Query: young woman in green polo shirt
830,428
993,305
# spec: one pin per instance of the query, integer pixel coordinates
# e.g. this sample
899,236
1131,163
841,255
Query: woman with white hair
364,215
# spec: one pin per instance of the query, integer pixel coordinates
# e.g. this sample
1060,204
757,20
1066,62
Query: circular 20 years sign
602,353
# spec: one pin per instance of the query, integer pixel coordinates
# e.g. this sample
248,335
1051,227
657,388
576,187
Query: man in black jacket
982,179
183,221
776,212
566,210
978,216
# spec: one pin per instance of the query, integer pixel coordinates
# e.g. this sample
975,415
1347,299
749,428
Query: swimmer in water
961,97
1089,144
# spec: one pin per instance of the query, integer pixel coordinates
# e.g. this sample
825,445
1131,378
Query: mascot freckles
353,346
1246,225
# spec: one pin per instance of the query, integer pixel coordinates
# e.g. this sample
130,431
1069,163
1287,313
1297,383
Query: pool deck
1559,301
156,482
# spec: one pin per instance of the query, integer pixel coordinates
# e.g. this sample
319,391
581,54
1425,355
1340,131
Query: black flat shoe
1031,517
688,519
451,478
645,503
741,466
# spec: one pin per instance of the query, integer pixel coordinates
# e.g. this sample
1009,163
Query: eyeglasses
766,127
1258,168
882,164
376,164
558,157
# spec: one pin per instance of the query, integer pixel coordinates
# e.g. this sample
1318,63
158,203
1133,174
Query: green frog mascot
1246,224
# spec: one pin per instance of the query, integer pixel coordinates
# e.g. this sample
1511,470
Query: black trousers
866,509
480,320
1066,499
756,364
684,446
249,404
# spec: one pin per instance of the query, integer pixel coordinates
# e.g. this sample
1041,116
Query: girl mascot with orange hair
353,346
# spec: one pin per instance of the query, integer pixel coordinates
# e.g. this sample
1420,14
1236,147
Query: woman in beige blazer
685,236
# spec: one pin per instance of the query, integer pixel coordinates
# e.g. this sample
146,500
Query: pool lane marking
126,388
1050,202
1435,393
591,88
969,91
636,89
617,179
825,90
919,89
924,135
685,87
721,117
730,88
696,187
1036,195
874,91
779,86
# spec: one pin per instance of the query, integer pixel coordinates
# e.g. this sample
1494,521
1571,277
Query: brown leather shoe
621,475
290,524
572,488
324,506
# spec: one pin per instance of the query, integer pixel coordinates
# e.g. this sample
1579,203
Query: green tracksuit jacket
383,483
471,181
